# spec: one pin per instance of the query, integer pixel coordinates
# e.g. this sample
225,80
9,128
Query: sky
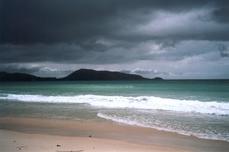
172,39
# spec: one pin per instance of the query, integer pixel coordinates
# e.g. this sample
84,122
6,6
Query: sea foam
139,102
136,122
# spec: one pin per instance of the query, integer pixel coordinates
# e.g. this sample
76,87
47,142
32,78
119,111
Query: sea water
191,107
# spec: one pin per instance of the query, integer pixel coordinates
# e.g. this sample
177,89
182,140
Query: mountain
79,75
4,76
157,78
88,74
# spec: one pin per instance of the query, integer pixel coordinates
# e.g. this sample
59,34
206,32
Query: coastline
79,133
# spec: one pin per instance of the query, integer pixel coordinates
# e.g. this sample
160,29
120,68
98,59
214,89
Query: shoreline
108,130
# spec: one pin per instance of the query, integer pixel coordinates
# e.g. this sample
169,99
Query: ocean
190,107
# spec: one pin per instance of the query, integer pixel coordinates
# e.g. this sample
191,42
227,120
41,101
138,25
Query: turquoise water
198,108
196,90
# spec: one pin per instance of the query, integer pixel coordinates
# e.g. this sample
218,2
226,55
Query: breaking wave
140,102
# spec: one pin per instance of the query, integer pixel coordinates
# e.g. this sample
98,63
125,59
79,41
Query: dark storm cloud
112,32
41,52
17,68
53,21
224,51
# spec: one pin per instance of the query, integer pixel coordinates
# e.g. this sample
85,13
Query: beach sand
14,141
46,135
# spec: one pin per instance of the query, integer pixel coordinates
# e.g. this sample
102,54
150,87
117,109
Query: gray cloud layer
116,35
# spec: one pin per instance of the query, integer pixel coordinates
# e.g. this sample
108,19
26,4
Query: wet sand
33,134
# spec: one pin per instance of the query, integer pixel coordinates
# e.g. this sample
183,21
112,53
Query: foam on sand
164,126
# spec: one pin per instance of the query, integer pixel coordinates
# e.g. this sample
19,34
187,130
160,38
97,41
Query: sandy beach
33,134
14,141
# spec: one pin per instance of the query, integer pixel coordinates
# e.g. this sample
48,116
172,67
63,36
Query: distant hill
79,75
87,74
157,78
4,76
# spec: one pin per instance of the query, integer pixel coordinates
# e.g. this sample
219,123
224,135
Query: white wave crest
140,102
